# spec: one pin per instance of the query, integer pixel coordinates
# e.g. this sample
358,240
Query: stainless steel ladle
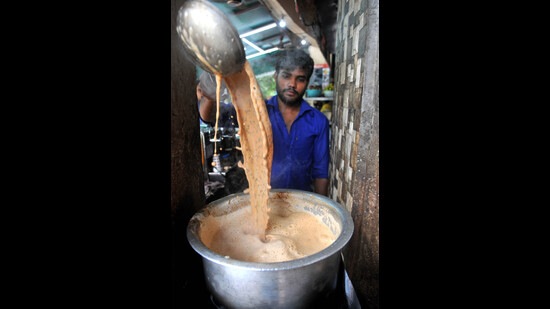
209,38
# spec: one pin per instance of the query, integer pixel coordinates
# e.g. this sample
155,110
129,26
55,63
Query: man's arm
207,109
320,185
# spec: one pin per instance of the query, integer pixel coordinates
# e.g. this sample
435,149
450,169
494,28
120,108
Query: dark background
88,132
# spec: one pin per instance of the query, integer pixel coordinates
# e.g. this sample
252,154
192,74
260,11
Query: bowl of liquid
296,263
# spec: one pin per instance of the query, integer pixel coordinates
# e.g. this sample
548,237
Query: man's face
291,86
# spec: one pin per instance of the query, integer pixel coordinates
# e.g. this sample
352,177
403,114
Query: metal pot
289,284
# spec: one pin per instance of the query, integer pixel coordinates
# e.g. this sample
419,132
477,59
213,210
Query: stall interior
220,156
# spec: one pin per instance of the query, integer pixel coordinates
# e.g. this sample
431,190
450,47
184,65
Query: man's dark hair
294,58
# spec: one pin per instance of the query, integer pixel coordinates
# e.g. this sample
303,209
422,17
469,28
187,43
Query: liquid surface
290,234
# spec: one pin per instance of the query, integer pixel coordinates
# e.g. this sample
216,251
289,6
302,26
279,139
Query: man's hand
208,86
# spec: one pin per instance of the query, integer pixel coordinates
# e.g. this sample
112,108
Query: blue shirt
301,155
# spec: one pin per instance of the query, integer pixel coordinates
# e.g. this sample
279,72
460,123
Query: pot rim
334,248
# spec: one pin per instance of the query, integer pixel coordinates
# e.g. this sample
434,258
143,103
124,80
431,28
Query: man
300,132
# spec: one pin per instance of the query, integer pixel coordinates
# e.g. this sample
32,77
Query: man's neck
283,107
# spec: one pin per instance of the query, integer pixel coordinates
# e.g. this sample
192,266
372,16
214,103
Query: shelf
319,99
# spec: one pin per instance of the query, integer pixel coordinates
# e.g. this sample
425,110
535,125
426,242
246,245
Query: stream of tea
256,141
